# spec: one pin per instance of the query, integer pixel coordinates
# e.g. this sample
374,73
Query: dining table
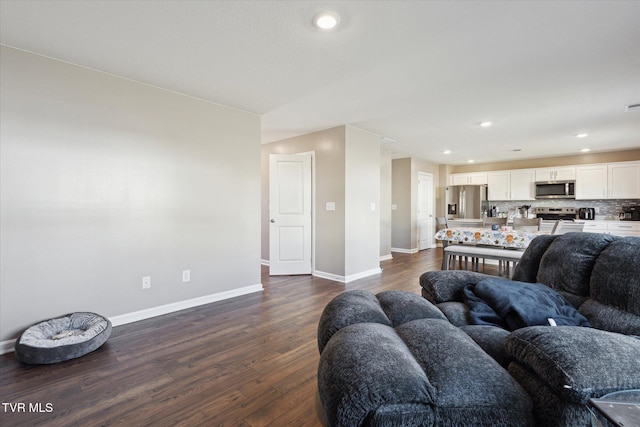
506,238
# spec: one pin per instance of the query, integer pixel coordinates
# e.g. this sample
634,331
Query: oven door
555,190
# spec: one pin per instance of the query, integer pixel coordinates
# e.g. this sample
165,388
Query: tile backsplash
605,208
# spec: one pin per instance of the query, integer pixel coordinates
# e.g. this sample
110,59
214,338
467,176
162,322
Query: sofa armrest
577,363
446,285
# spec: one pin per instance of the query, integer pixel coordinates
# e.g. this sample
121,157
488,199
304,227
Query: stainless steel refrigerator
466,201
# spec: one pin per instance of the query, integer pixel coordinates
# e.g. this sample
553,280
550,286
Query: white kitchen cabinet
595,227
624,180
523,184
591,182
623,228
499,185
608,181
617,228
475,178
563,173
511,185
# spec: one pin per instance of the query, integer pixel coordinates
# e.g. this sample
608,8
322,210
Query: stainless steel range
556,213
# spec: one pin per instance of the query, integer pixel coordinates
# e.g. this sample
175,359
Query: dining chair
449,253
527,224
568,226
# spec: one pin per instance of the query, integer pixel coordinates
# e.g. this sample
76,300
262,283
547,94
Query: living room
109,177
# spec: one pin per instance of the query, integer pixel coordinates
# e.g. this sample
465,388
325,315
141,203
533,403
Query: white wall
405,197
385,204
362,191
105,181
347,173
328,147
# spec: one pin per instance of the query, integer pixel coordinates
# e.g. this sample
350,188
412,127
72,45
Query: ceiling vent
632,107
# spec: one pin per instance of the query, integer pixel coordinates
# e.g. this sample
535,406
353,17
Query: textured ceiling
423,73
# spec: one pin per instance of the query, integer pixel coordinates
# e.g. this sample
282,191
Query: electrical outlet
146,282
186,276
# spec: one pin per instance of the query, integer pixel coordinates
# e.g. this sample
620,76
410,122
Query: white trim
363,274
264,262
405,251
386,257
329,276
123,319
7,346
346,279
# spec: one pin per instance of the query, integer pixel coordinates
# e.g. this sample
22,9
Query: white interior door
290,214
426,227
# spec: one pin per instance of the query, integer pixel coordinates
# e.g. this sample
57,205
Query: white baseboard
123,319
148,313
7,346
347,279
386,257
405,251
264,262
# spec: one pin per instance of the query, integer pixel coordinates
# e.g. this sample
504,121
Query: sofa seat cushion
577,363
491,339
512,305
610,318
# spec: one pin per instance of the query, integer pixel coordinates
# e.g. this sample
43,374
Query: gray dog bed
62,338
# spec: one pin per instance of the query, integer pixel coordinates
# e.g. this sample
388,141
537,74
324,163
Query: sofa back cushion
527,268
568,262
615,288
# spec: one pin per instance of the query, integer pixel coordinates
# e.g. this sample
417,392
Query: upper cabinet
624,180
620,180
563,173
523,184
511,185
499,185
475,178
608,181
591,182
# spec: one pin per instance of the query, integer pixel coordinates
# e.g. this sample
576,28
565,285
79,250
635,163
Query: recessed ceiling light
326,20
470,161
446,152
486,124
582,135
585,150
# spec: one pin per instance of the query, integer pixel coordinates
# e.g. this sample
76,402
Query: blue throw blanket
513,305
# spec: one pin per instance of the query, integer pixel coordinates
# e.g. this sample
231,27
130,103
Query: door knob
273,221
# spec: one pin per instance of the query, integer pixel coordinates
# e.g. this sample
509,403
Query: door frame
431,218
313,207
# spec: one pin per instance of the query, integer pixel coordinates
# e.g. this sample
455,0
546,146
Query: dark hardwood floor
247,361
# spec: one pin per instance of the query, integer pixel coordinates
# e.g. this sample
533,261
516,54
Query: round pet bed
62,338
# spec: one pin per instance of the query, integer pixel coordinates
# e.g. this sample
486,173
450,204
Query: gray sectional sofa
449,358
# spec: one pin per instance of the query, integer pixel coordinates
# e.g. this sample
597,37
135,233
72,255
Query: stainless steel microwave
556,190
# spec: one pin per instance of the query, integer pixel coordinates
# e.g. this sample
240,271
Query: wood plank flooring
247,361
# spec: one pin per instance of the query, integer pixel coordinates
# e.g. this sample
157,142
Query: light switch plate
331,206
